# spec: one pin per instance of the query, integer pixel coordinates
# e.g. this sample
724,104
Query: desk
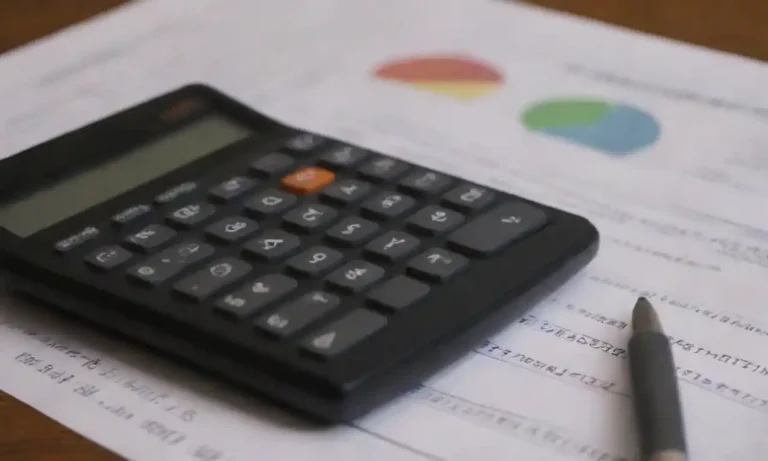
733,26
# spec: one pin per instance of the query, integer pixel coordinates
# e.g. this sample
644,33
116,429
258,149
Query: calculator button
270,202
192,214
468,197
343,156
151,237
130,214
305,142
175,192
346,191
355,276
425,182
231,229
437,265
298,314
256,295
108,257
497,228
215,276
308,180
170,262
392,246
232,188
434,220
388,205
272,164
352,231
75,240
344,333
398,293
309,217
315,261
383,168
271,245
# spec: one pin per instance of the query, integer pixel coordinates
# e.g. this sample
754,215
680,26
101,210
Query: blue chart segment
611,128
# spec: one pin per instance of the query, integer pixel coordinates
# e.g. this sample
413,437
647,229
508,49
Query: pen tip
644,317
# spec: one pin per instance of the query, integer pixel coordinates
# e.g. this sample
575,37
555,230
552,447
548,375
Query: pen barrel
656,395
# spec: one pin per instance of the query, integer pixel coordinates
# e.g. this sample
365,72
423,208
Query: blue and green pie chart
607,127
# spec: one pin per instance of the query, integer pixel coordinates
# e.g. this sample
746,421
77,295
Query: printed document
663,146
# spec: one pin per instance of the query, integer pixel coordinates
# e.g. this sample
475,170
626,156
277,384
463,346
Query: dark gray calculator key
388,205
355,276
498,228
297,314
425,182
256,295
434,220
343,156
437,265
270,202
192,214
310,216
305,142
108,257
232,229
175,192
352,231
151,237
398,293
212,278
75,240
382,168
346,191
169,262
315,261
392,246
232,188
271,245
344,333
469,197
272,164
130,214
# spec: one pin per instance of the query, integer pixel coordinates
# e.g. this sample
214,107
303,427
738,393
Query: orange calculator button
308,180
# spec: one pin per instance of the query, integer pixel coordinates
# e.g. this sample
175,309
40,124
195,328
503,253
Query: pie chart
458,77
611,128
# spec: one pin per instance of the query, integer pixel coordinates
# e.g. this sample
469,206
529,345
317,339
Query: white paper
680,221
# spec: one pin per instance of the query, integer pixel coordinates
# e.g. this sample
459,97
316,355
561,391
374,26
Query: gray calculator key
175,192
297,314
256,295
344,333
232,188
232,229
77,239
315,261
305,142
346,191
192,214
343,156
310,216
272,164
212,278
355,276
392,246
352,231
437,265
169,262
434,220
108,257
151,237
469,197
497,228
130,214
272,245
381,168
425,182
270,202
388,205
398,293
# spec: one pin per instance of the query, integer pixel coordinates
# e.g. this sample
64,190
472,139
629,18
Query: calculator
323,276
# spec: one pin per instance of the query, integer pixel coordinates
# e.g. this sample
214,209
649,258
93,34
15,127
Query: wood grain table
732,26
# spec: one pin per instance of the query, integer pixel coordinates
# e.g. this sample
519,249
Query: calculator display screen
63,199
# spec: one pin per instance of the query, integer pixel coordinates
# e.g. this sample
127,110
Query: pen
654,383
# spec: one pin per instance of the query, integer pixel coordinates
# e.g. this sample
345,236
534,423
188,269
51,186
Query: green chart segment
611,128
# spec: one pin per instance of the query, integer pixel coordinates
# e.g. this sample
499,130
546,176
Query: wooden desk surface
733,26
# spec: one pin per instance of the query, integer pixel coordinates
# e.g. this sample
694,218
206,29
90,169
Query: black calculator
324,276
